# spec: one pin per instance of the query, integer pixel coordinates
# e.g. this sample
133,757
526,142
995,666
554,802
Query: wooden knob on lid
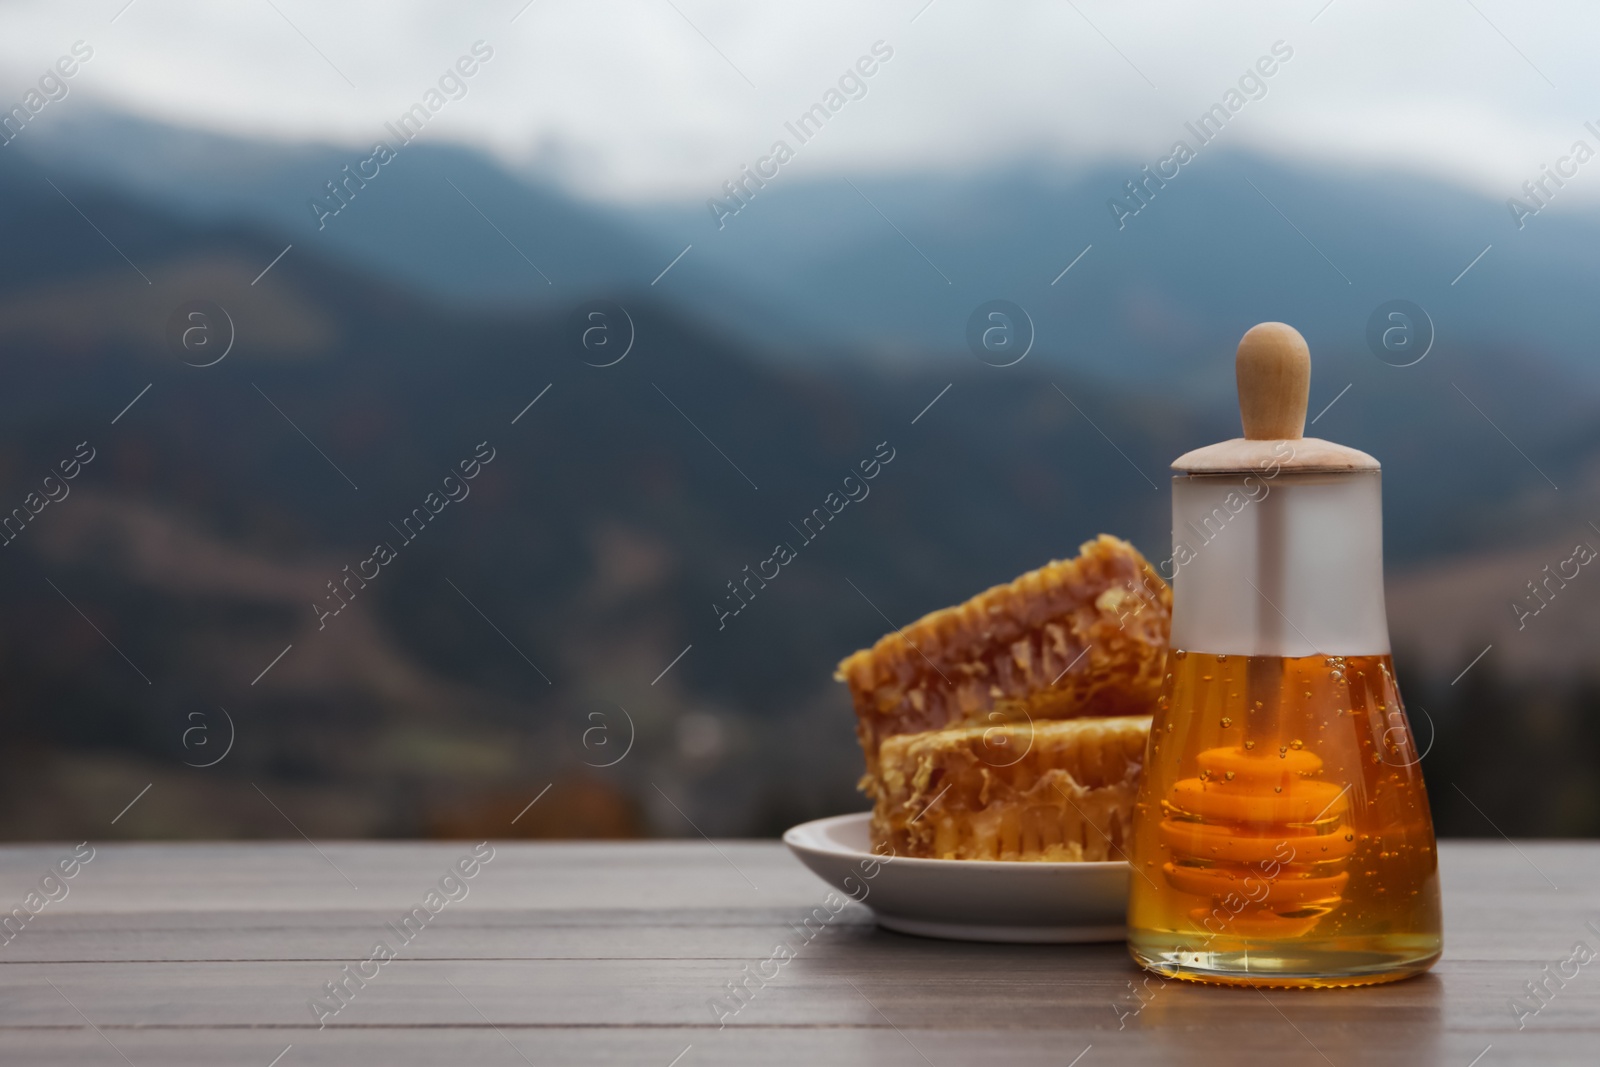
1273,369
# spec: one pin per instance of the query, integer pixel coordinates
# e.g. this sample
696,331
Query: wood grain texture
610,953
1267,459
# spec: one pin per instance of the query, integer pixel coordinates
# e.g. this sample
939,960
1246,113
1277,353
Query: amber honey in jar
1282,835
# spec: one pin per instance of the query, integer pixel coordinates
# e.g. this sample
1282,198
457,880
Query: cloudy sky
654,99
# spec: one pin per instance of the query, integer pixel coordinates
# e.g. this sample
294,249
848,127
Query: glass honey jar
1282,835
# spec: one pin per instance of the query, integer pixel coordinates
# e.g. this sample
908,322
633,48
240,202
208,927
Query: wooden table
611,953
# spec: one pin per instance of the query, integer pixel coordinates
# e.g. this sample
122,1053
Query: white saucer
966,900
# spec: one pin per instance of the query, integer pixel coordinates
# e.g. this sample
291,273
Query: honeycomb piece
1053,790
1080,637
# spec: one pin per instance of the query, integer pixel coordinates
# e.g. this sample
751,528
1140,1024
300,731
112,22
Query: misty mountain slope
586,569
437,218
811,267
204,538
1232,241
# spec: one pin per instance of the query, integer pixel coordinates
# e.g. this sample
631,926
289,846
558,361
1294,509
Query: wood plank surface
611,953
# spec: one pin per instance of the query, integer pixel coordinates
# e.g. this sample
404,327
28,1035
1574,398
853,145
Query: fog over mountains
580,576
1156,296
852,274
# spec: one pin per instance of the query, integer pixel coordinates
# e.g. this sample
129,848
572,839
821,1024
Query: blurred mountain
895,264
565,614
1536,610
437,219
188,568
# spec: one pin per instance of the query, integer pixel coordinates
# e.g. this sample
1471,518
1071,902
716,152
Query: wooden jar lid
1273,368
